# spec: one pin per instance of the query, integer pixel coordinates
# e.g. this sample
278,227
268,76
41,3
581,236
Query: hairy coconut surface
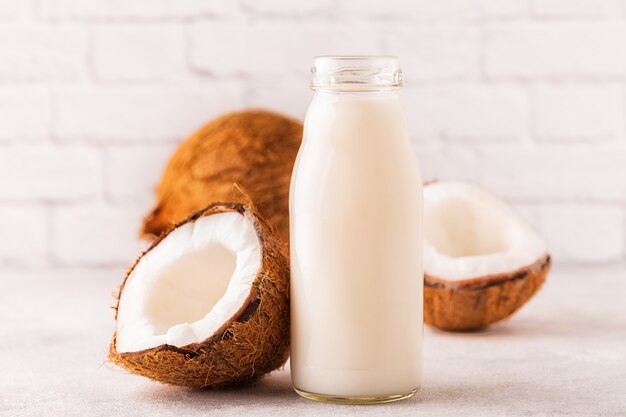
478,302
251,343
255,149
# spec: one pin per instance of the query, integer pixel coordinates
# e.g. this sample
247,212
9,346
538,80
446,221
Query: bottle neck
357,74
386,94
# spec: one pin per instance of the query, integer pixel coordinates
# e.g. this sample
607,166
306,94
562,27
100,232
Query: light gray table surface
564,353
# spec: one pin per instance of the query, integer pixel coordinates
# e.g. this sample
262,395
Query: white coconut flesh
470,233
185,288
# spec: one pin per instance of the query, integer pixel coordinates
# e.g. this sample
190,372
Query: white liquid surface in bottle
356,250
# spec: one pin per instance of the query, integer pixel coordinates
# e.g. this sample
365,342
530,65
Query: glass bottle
356,239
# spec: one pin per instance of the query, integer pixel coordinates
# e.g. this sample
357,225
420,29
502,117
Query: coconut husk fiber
478,302
253,342
255,149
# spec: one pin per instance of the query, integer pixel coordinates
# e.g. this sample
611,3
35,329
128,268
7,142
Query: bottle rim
356,73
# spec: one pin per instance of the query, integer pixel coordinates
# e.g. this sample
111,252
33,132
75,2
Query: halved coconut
482,260
207,304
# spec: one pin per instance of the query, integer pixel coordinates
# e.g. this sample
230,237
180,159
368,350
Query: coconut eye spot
189,288
460,228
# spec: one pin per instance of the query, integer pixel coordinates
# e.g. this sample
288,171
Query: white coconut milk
356,250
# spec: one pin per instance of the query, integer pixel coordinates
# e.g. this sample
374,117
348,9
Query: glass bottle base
335,399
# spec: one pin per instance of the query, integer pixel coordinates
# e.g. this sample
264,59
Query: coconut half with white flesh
482,260
207,304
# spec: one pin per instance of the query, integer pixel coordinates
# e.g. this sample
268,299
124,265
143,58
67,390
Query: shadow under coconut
559,327
493,330
526,328
529,328
275,387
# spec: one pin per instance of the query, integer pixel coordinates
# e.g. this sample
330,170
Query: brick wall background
527,97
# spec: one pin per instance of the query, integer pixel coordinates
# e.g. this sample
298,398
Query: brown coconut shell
253,342
478,302
254,149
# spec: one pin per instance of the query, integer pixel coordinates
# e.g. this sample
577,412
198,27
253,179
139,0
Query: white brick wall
32,52
49,173
468,112
132,10
598,231
436,52
556,49
527,97
131,171
25,235
25,113
139,113
138,52
591,113
267,48
95,234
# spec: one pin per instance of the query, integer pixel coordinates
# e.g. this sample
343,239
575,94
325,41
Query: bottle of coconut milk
356,239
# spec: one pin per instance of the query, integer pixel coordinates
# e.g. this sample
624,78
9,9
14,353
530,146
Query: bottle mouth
356,73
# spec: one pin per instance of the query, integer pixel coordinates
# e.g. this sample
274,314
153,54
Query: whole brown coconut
250,343
254,149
